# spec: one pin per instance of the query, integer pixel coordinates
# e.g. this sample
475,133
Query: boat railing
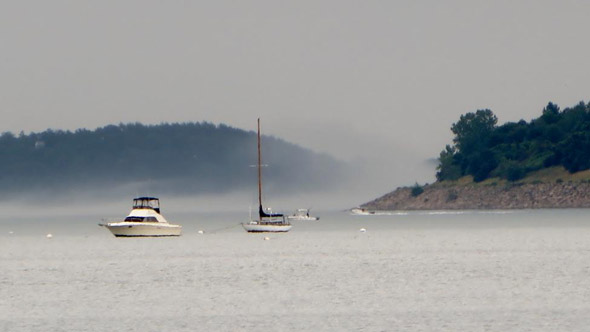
111,220
273,220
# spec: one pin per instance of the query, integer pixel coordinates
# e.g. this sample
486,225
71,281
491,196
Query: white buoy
266,238
49,236
11,232
362,230
200,232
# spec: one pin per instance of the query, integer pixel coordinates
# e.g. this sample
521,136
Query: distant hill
177,158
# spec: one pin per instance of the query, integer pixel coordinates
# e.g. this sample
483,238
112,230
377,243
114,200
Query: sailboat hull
254,227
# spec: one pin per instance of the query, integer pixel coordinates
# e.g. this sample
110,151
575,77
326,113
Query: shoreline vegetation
544,163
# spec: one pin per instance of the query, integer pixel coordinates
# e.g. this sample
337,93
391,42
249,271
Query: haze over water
465,271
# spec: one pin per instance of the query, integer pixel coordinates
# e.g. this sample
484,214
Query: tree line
510,151
181,157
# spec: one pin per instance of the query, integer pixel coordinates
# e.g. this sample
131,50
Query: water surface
461,271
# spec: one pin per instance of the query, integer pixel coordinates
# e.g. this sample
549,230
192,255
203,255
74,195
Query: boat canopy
147,203
263,214
302,212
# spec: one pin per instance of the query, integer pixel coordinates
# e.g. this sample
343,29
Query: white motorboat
361,212
302,215
144,220
266,222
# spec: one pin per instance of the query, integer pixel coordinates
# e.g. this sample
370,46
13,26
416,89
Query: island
191,158
544,163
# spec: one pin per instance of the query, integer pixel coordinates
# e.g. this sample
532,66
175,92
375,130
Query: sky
377,83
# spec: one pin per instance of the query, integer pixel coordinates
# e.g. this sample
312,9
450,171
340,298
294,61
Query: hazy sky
380,81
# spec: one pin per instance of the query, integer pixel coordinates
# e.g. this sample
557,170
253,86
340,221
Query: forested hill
543,163
178,158
510,151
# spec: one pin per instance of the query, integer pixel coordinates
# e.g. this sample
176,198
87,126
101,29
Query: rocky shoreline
486,197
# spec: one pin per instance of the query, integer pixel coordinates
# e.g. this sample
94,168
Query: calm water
522,271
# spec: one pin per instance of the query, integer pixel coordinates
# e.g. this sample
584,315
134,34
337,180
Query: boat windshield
147,203
141,219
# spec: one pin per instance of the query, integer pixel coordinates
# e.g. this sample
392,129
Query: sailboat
266,222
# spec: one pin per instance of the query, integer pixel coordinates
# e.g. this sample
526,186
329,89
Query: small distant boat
144,220
361,212
266,222
302,215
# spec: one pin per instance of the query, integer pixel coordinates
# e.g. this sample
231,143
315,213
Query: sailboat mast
259,169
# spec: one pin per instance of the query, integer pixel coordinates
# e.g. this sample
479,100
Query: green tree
576,152
448,168
473,131
417,190
481,164
550,113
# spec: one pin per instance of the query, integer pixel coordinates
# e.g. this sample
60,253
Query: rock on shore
475,196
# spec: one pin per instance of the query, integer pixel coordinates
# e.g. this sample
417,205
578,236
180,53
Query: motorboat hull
302,215
361,212
303,218
254,227
137,229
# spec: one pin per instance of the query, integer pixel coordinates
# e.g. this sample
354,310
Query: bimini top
147,203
